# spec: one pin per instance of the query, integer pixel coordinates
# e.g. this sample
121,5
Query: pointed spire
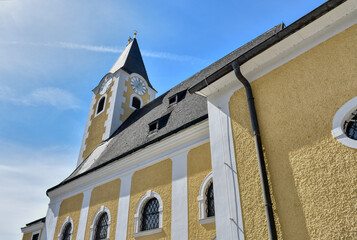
131,60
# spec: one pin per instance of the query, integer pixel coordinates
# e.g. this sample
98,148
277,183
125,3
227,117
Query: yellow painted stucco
27,236
97,127
126,104
313,177
70,207
198,167
106,195
157,178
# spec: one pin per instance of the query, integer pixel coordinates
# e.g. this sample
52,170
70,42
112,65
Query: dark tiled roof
36,221
134,62
133,134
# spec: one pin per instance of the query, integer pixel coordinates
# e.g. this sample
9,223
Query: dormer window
173,100
153,127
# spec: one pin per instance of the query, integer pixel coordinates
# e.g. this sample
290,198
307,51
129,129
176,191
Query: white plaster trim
51,219
110,111
66,221
84,214
179,199
97,215
86,133
202,196
149,195
131,101
228,216
323,28
37,232
123,207
33,227
105,102
337,125
207,220
147,233
180,142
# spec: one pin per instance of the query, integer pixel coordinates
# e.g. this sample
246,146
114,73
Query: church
261,144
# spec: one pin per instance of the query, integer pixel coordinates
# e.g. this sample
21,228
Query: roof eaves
183,127
279,36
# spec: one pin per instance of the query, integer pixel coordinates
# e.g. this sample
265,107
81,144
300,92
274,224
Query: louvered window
150,215
67,232
101,231
210,201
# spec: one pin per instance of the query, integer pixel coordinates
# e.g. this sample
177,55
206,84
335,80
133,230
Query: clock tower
124,89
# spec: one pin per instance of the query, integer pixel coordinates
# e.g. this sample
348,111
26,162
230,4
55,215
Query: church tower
125,88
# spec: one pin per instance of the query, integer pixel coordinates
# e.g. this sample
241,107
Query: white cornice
180,142
32,227
318,31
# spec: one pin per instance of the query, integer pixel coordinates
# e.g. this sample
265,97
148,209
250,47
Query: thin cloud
56,97
104,49
23,186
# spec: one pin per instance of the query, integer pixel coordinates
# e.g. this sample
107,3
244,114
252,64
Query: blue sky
54,52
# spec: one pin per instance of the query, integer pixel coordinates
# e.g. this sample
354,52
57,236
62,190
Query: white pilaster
51,219
123,207
84,215
179,211
228,217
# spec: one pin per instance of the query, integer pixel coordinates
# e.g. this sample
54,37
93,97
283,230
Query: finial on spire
130,39
135,33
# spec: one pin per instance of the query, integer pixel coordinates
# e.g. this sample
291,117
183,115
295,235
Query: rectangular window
35,236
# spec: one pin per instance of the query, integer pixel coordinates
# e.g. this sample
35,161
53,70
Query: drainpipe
259,149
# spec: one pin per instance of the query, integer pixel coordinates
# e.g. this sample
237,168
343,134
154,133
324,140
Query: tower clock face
105,85
138,85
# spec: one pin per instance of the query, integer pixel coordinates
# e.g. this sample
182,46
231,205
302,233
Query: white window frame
39,234
105,102
203,219
131,101
98,214
67,220
339,119
149,195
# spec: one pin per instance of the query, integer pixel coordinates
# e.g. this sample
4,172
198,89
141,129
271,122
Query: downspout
259,149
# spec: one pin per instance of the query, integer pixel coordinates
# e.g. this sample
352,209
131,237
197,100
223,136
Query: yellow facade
313,177
97,127
157,178
198,167
126,105
106,195
28,236
70,207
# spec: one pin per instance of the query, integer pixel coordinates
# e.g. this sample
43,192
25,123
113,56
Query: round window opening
350,126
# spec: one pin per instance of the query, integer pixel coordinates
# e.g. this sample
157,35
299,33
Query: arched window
101,105
66,235
206,200
100,226
101,231
350,126
344,124
66,229
150,215
210,201
136,103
